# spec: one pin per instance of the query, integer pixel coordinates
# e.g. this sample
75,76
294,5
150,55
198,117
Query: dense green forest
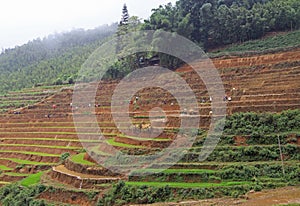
209,23
213,23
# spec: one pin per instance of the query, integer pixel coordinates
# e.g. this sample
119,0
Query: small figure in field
17,112
54,106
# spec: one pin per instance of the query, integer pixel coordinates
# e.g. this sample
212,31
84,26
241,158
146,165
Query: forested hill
214,23
53,59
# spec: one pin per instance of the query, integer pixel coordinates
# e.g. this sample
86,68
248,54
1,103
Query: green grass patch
79,159
118,144
4,168
31,179
187,185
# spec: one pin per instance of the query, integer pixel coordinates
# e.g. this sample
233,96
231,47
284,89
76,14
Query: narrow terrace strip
63,170
187,185
112,142
30,153
41,146
27,162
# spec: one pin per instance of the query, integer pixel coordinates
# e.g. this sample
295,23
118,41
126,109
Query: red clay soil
8,178
240,141
79,180
90,170
67,197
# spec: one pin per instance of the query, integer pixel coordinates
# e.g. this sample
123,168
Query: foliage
64,156
246,154
259,124
270,43
214,23
16,195
79,159
55,59
144,193
32,179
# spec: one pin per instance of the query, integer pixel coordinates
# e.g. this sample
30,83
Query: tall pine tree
122,28
125,16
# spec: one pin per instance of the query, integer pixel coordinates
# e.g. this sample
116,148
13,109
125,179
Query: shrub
64,156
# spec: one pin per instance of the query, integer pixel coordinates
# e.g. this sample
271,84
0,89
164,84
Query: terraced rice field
34,141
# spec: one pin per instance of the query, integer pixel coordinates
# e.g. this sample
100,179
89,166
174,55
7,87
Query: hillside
50,60
75,144
273,43
246,158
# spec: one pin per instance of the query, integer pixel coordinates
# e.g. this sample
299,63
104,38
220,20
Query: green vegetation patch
32,179
4,168
79,159
118,144
278,41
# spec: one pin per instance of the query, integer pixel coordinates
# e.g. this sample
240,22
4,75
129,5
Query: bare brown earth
67,197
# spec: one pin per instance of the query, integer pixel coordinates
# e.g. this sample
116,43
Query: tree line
213,23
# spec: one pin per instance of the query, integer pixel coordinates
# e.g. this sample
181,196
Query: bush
64,156
58,81
16,195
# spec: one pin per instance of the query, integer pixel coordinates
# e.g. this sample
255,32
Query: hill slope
247,156
44,61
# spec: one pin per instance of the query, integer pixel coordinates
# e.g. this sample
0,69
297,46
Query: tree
122,29
125,16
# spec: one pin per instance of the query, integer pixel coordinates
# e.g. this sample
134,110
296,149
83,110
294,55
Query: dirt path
265,198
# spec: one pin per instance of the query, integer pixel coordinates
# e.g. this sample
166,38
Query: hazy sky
24,20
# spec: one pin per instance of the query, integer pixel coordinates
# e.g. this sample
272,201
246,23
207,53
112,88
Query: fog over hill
45,60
